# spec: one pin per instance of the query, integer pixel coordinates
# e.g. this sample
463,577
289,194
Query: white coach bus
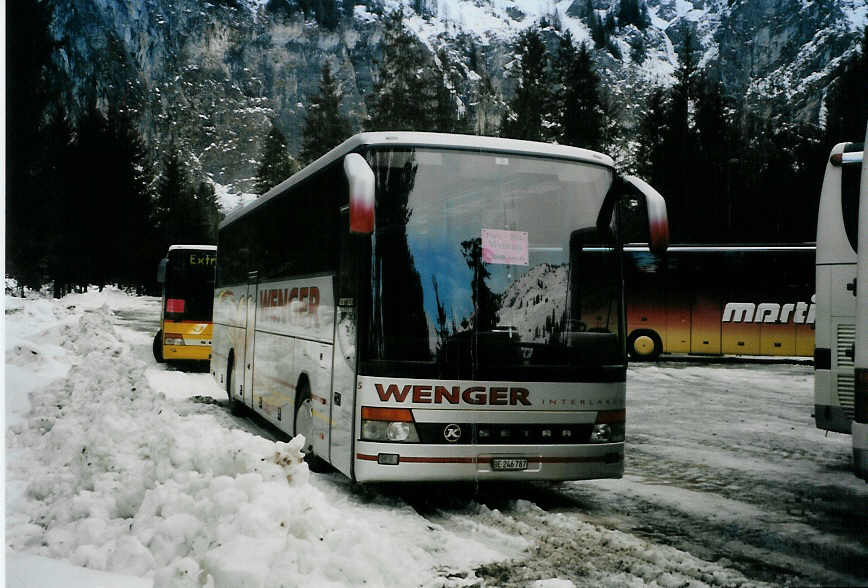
474,329
837,234
860,417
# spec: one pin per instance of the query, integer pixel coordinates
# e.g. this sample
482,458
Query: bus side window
850,175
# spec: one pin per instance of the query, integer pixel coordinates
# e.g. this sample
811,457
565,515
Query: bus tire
235,407
644,345
303,425
158,346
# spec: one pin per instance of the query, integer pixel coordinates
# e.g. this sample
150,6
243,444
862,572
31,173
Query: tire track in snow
566,545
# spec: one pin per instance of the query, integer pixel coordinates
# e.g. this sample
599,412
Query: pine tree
279,7
581,115
209,213
633,12
529,108
276,164
561,64
599,34
327,14
57,180
94,143
847,100
30,100
638,50
447,117
650,154
130,260
177,212
403,96
680,142
324,126
485,303
712,156
485,118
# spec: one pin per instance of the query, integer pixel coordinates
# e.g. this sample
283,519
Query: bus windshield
490,265
189,294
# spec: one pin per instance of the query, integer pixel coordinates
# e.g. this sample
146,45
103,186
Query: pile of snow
106,473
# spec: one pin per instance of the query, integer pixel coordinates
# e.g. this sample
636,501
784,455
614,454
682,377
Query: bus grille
846,393
506,434
846,341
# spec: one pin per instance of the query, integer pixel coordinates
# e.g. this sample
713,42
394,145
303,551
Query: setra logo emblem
452,433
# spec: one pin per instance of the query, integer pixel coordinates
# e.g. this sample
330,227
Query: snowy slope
529,301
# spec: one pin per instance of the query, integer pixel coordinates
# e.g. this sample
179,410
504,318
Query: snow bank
104,472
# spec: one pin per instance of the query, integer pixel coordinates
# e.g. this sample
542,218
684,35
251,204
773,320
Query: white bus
419,345
860,417
837,233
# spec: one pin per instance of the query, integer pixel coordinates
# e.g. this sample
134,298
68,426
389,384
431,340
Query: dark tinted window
294,233
232,267
850,176
738,275
190,285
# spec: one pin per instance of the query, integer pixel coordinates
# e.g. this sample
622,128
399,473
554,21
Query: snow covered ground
122,472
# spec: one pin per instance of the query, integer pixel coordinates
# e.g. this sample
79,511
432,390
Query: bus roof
436,140
194,247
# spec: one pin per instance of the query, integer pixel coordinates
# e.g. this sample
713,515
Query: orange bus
720,300
187,276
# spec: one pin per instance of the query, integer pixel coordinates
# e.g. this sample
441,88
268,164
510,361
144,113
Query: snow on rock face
539,295
105,473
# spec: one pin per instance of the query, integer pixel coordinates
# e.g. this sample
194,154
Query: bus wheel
644,345
235,407
158,346
304,426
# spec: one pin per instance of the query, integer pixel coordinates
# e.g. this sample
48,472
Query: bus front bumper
393,462
187,352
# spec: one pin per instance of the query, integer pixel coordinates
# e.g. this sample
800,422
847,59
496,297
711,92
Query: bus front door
249,339
345,348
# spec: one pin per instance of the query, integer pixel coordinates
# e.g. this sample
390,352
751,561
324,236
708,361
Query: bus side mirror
658,222
362,182
161,270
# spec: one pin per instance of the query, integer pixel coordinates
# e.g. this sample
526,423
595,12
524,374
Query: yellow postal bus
187,276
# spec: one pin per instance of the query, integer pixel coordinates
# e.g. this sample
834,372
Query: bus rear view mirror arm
658,223
362,183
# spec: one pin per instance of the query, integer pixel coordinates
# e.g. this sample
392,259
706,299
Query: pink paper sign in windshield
504,247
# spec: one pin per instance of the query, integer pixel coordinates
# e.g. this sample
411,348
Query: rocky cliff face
211,76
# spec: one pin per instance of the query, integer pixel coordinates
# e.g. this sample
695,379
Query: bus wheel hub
644,345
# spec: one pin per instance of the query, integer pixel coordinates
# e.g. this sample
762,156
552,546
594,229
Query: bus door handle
851,286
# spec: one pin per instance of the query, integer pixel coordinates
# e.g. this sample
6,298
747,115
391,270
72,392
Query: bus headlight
388,424
173,339
601,434
399,431
609,427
